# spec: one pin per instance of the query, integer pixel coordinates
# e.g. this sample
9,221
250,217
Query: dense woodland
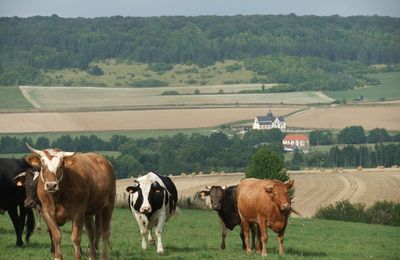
303,52
218,152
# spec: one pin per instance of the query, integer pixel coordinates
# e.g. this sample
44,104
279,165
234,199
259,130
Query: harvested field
90,97
129,120
313,188
369,117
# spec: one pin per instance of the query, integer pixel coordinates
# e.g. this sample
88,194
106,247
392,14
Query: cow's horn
38,152
68,154
22,174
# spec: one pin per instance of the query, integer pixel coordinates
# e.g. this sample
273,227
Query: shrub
385,213
160,67
170,93
148,83
95,71
382,212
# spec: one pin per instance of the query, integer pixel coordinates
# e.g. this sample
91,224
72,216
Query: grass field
389,89
195,235
12,98
106,98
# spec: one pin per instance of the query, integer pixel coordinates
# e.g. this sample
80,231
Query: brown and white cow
267,203
76,187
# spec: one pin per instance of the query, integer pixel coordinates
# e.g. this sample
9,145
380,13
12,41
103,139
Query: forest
333,51
218,152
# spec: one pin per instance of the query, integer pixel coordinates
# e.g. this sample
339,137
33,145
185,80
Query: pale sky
101,8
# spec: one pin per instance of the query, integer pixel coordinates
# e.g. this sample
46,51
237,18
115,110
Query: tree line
202,153
29,45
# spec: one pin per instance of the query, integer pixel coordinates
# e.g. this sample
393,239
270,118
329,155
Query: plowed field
313,188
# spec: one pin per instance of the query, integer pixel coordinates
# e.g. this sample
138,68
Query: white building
269,121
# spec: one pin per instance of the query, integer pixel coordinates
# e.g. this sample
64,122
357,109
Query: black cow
12,197
223,200
152,200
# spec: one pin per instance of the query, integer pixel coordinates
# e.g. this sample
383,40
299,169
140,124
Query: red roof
296,137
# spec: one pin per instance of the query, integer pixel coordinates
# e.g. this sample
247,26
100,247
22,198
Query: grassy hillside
195,235
121,74
388,89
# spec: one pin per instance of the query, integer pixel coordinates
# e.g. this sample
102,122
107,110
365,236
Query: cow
153,200
75,187
12,197
267,203
223,200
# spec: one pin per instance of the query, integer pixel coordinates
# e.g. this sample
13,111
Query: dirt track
313,188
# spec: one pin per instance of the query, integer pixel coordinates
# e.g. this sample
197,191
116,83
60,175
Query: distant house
269,121
292,141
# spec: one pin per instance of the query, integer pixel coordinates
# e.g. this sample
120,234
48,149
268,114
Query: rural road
313,188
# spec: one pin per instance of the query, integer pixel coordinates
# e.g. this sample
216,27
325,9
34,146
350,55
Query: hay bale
359,168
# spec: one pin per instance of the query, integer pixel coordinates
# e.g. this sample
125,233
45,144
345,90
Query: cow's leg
159,231
242,237
77,225
245,226
97,232
223,233
280,239
264,235
105,225
38,212
150,238
89,224
30,224
55,235
12,212
22,218
255,236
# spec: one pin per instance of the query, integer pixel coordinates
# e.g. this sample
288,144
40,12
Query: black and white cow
152,200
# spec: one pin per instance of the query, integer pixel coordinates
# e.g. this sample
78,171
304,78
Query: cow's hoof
161,251
19,244
248,252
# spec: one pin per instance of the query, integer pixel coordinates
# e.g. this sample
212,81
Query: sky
101,8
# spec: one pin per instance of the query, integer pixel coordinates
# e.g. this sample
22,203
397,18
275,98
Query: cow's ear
204,193
224,187
269,189
289,183
33,160
19,180
131,189
68,161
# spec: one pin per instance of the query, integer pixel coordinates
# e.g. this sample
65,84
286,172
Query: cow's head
51,163
29,179
278,192
216,194
148,195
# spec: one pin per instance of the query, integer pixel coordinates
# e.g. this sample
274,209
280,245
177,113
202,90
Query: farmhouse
269,121
292,141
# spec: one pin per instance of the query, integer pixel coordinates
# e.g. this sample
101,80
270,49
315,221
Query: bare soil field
369,117
129,120
313,188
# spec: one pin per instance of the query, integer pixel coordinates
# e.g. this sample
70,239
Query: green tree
378,135
352,135
266,164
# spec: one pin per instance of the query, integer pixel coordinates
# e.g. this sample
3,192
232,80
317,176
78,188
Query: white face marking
145,186
55,161
35,175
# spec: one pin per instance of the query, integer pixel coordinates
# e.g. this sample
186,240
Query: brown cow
76,187
267,203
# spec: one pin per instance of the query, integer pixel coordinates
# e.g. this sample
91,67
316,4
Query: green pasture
388,89
195,234
12,98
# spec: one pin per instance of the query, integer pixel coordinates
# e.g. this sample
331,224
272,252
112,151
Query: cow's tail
30,224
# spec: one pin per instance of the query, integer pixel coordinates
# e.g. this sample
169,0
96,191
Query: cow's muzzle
51,186
286,207
30,203
145,210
